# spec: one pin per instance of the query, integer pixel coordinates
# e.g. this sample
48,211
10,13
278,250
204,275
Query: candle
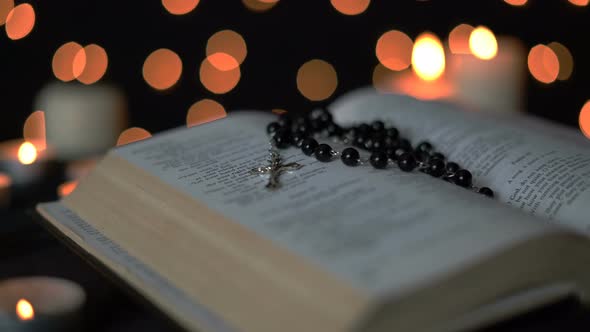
22,162
495,84
40,304
81,120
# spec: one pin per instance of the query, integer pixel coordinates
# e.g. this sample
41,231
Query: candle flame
24,310
27,153
428,57
483,43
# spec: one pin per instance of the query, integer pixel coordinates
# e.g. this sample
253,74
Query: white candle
81,120
494,85
40,304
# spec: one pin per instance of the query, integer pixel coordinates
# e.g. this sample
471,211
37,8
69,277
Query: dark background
279,41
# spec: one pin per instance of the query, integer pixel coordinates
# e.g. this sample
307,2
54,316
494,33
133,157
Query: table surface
26,248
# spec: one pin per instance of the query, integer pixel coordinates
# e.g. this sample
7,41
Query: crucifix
275,169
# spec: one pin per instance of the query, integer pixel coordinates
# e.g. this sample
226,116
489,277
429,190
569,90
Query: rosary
385,144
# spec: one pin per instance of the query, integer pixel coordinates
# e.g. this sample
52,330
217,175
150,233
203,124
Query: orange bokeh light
5,8
34,130
133,134
219,73
24,310
90,64
483,43
204,111
162,69
317,80
584,119
565,58
228,42
180,7
350,7
63,61
278,111
428,57
543,64
383,79
394,50
20,21
66,188
516,2
5,180
580,2
27,153
259,5
459,39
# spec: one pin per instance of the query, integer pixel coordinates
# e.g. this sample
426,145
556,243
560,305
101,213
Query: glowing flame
482,43
24,310
66,188
428,57
27,153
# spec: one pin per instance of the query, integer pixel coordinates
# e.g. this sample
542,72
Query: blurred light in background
483,43
394,50
20,21
428,57
133,134
5,8
229,42
219,73
204,111
317,80
90,64
63,61
584,119
278,111
180,7
259,5
351,7
543,64
162,69
565,58
34,130
580,2
66,188
459,39
27,153
516,2
383,79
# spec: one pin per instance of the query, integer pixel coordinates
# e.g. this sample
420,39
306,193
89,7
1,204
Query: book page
378,229
536,166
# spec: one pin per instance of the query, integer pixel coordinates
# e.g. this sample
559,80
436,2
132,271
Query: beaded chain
384,143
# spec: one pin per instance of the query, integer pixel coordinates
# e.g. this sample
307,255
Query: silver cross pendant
275,169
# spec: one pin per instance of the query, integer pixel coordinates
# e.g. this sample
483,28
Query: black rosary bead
282,138
424,147
308,146
272,128
404,144
378,144
436,167
462,178
334,130
285,121
323,153
398,152
378,160
297,139
406,162
392,133
378,126
350,157
452,167
438,155
359,141
364,129
486,191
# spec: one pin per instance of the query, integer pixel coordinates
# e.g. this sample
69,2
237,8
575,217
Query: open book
340,248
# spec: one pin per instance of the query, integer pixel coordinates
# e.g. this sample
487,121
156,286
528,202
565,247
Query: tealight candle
40,304
22,162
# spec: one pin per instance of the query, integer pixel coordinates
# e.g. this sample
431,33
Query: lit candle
40,304
22,162
493,84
